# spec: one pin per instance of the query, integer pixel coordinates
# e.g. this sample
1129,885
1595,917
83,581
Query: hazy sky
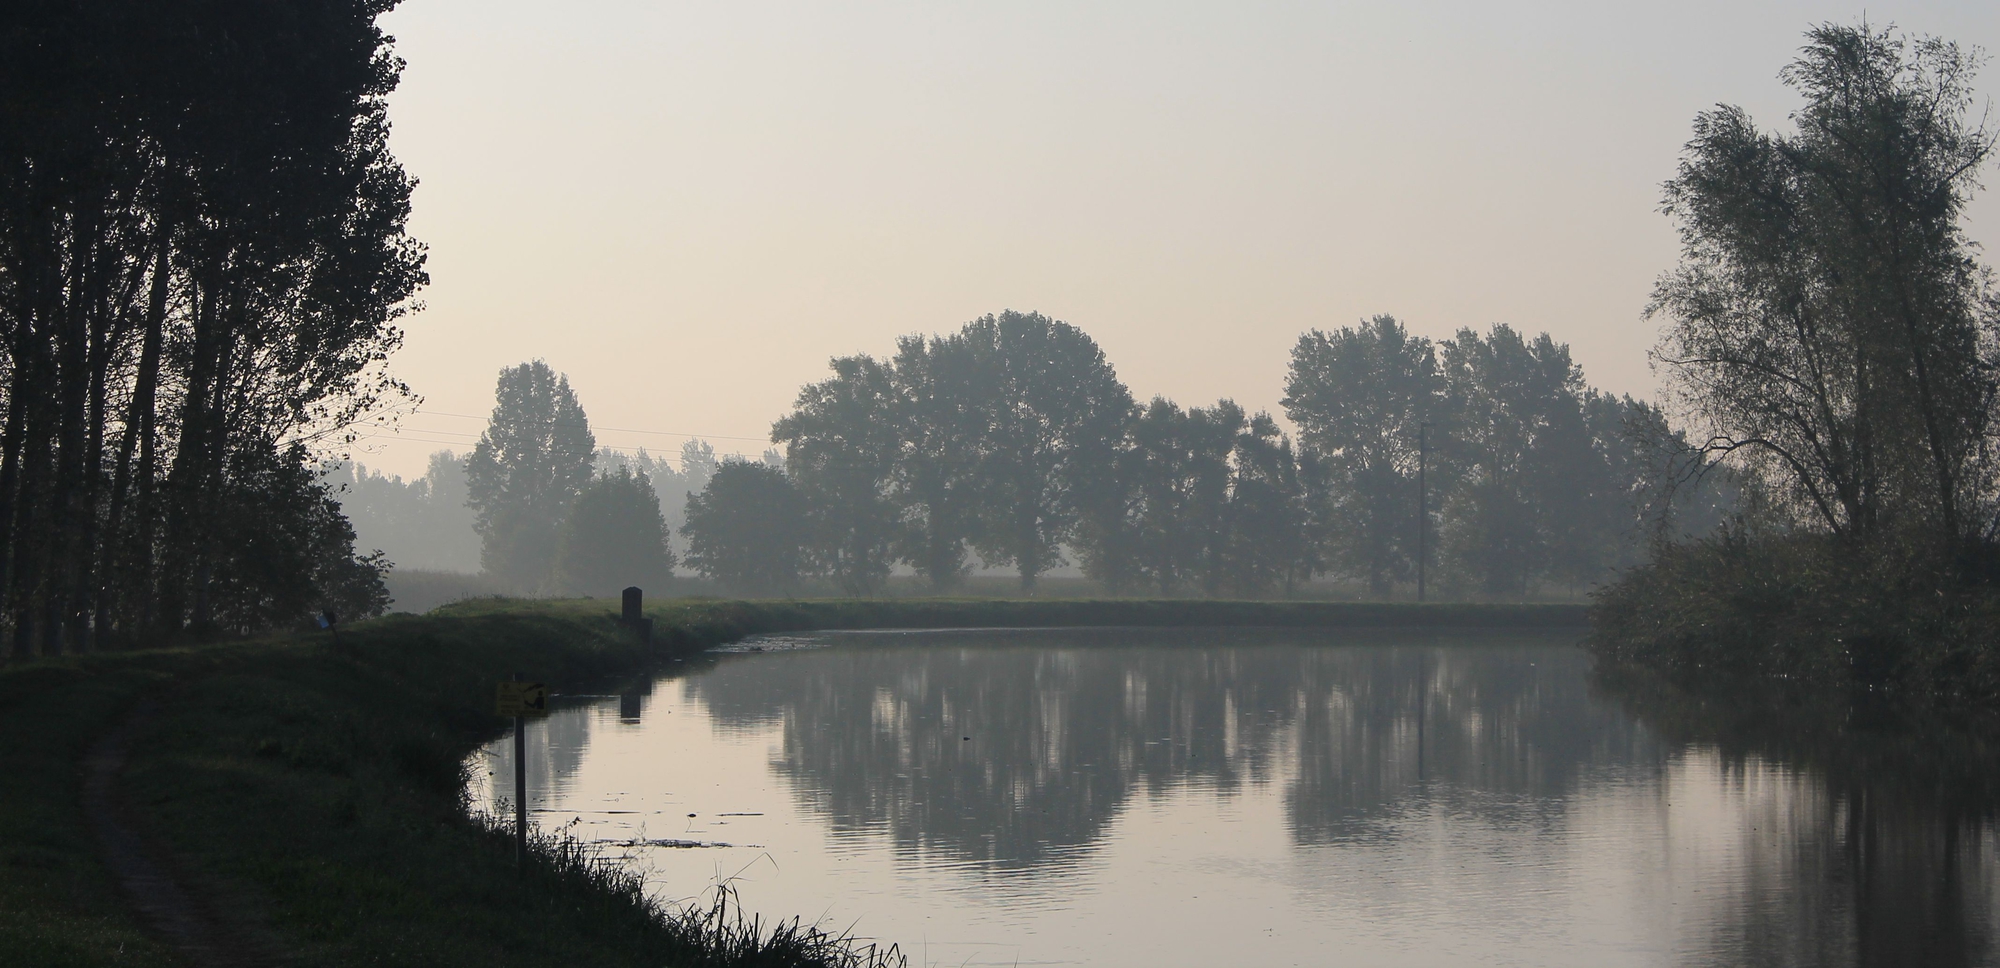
690,207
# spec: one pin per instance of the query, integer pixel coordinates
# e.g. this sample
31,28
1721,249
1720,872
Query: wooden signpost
521,700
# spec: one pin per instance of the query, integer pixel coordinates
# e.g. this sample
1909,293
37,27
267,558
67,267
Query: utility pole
520,787
1423,503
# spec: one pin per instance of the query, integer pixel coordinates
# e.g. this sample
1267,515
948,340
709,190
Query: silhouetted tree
1358,396
614,536
531,462
841,447
1522,457
202,257
746,530
292,553
1180,518
1269,540
1106,538
1053,410
1828,328
938,427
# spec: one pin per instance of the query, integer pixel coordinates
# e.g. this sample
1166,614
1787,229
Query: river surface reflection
1119,797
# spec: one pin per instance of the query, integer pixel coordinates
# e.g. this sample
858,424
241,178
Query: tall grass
712,931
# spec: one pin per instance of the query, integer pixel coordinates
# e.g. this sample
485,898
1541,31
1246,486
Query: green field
308,792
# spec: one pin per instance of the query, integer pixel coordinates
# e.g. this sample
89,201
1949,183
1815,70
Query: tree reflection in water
1878,847
1820,842
1018,757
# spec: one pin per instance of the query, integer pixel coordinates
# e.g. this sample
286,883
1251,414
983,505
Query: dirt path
151,884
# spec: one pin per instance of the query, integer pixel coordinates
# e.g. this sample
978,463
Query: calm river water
1118,797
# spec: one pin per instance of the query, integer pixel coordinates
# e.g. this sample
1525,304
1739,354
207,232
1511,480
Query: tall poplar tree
529,465
202,259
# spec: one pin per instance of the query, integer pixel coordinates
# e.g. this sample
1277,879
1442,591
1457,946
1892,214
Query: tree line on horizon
202,261
536,507
1013,444
1013,440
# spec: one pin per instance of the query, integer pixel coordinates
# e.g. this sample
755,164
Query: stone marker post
634,614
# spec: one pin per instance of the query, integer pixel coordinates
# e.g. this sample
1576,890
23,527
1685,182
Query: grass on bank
316,788
419,590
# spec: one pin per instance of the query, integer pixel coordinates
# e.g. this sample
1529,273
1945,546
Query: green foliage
291,552
1014,435
1522,460
1270,533
532,461
1182,485
614,537
746,530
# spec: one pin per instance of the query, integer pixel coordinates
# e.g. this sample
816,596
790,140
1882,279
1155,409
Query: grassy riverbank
309,791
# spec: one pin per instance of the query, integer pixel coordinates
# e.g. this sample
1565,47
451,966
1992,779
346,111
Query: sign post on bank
521,700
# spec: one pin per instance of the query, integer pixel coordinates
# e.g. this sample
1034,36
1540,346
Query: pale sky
690,207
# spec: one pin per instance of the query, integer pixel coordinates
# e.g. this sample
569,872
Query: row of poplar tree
1013,440
202,258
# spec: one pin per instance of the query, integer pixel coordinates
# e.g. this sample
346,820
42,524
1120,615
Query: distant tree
531,462
1663,488
420,524
841,447
1358,396
613,537
1828,329
1180,523
698,463
1318,498
938,429
672,482
1106,537
1053,411
1269,538
1523,460
747,530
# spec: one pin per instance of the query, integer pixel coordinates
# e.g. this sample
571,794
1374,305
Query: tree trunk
137,574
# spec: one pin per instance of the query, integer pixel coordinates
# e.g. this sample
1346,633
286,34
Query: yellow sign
521,699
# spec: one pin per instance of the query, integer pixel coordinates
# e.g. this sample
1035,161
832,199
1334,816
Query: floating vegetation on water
774,643
667,842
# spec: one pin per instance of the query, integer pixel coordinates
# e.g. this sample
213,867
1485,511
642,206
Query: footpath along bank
303,797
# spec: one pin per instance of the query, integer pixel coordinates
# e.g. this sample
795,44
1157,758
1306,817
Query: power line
627,451
621,430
